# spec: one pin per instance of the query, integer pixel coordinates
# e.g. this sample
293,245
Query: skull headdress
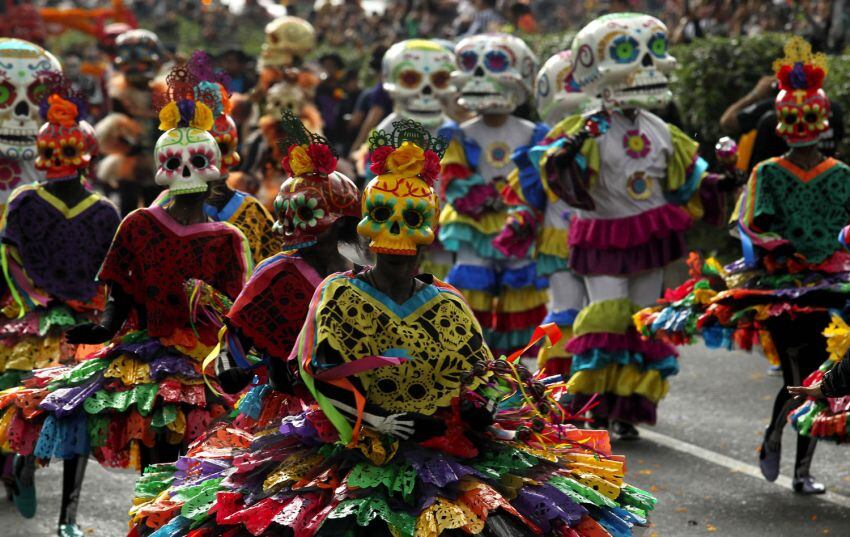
139,54
65,143
315,195
400,208
623,59
495,72
802,107
24,72
417,75
557,94
287,38
187,156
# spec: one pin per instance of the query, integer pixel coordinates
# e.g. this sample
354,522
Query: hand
88,333
809,391
763,88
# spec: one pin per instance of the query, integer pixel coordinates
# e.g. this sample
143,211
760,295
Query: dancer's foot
69,530
624,430
807,485
24,495
769,456
774,371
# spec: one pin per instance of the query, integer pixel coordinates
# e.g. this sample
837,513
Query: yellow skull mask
399,214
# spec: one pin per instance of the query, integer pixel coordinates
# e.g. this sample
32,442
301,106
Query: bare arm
729,119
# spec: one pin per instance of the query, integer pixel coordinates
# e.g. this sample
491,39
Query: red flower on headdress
379,159
431,170
323,158
285,162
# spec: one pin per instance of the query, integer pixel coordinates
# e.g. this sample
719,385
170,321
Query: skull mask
24,70
623,59
399,214
802,107
284,96
308,205
187,159
494,73
227,137
138,55
62,151
287,38
417,75
558,96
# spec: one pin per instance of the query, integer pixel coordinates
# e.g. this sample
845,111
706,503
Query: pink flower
432,167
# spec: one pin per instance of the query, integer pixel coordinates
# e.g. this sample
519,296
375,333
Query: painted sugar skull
417,75
186,158
284,96
557,94
63,151
25,69
309,204
226,135
495,72
623,59
138,55
802,107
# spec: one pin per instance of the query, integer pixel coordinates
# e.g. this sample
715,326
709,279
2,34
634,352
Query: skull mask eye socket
172,163
46,152
69,151
790,117
413,218
410,79
441,79
199,161
811,117
468,60
7,94
381,213
624,49
658,45
497,61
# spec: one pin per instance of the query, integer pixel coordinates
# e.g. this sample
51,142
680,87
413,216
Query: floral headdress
65,143
409,150
61,104
800,69
196,95
306,152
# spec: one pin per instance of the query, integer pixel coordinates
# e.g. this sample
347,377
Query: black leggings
161,452
802,349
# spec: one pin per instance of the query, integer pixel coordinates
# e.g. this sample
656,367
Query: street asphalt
700,461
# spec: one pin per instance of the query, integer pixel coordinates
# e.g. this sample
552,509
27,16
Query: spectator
486,18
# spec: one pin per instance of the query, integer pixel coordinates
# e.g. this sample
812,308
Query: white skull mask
284,96
623,59
186,160
24,71
558,96
494,73
287,38
417,75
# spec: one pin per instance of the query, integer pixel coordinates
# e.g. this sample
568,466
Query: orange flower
61,111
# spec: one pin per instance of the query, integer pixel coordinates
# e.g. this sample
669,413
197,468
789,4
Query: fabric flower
379,159
636,144
300,161
61,111
169,116
407,160
431,170
203,118
323,158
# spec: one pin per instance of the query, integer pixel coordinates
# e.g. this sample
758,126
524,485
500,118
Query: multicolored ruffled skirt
134,392
300,481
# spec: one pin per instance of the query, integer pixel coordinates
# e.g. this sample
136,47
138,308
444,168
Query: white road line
732,464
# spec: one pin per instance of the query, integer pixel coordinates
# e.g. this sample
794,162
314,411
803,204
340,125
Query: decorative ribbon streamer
549,330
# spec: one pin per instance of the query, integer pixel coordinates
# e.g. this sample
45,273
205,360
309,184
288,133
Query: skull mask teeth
187,159
494,72
417,75
24,69
623,59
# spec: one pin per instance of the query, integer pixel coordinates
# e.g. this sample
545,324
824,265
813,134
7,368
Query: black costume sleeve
836,382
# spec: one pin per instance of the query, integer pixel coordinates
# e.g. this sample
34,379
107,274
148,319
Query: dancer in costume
225,204
26,66
169,271
417,430
793,268
55,235
557,97
495,75
317,208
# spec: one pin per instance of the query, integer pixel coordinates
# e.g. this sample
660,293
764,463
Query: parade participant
635,184
494,76
417,431
22,82
793,269
417,75
317,209
55,235
557,97
138,58
170,271
225,204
